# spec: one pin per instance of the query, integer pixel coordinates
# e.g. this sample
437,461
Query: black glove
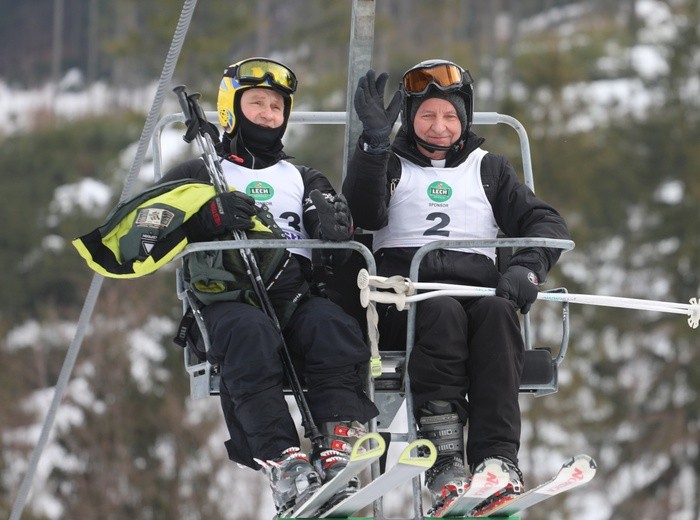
335,221
377,121
221,214
519,285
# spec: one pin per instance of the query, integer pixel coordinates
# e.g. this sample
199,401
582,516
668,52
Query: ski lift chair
540,376
541,365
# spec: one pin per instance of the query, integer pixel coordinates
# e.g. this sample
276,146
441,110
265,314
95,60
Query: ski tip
420,452
582,458
370,445
578,471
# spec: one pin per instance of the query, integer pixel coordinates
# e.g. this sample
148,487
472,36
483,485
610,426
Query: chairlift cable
91,298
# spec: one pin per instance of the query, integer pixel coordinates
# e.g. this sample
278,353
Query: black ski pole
200,129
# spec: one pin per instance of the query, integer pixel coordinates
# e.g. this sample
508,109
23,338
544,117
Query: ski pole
199,128
405,292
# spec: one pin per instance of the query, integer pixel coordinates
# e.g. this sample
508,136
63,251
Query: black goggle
445,76
256,70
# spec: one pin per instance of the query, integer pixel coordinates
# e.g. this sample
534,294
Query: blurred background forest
609,93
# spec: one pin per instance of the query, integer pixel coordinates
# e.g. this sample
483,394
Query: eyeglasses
445,76
256,70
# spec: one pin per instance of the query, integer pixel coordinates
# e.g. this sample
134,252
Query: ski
362,456
417,457
575,472
488,478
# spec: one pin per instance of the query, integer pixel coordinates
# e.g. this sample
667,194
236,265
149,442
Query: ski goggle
256,70
445,76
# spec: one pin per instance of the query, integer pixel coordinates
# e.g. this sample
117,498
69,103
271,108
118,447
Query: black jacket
518,212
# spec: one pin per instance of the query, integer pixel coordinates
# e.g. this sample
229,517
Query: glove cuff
540,279
532,275
375,141
534,259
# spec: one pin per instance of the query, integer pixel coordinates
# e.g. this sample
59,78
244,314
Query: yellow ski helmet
253,72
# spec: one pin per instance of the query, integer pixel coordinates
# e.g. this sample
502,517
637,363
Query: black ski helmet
431,77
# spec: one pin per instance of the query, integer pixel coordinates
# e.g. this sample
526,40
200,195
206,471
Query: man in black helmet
435,182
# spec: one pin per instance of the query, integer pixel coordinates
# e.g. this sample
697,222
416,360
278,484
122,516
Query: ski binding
367,449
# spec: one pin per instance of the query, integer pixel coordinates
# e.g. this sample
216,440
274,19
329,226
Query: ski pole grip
181,94
197,107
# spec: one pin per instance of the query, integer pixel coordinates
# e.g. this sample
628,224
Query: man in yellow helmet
254,103
326,344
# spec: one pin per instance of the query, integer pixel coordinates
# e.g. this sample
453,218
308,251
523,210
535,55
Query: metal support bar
359,61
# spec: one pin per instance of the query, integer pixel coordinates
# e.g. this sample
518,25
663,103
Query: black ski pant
326,346
469,347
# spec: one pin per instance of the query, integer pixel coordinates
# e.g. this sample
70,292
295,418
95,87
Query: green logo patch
260,190
439,191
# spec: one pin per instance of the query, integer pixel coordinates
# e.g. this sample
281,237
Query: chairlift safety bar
338,118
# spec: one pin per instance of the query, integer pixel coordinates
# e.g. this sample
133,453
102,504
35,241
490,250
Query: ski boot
514,488
447,478
338,438
292,478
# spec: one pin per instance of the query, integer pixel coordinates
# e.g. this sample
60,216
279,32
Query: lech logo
260,190
439,191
